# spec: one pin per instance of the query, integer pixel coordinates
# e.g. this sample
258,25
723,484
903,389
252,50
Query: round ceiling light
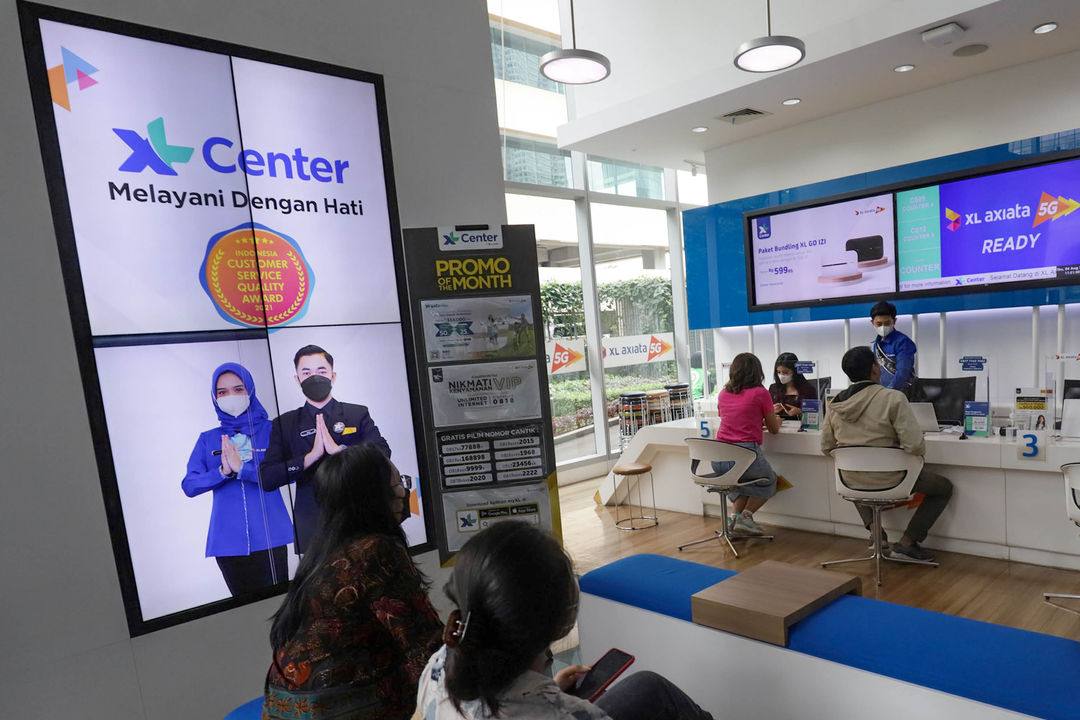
1045,28
699,129
791,101
575,67
903,68
769,53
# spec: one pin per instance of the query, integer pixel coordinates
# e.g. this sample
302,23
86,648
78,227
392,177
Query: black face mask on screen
316,388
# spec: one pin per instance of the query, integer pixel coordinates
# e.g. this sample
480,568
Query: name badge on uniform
338,427
348,431
306,433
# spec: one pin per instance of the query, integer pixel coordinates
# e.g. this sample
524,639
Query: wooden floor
997,591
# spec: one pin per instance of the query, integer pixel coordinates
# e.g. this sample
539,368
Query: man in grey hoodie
868,414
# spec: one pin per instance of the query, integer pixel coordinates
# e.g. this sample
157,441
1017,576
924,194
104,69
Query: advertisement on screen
229,245
839,250
1014,226
203,230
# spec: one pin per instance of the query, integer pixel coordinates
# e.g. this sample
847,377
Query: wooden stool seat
632,469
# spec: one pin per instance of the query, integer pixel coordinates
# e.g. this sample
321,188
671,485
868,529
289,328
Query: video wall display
1012,227
230,245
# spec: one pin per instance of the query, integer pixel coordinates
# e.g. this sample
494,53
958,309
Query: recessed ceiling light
791,101
699,129
1045,28
969,50
903,68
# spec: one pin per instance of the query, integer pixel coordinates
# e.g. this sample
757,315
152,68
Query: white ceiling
850,61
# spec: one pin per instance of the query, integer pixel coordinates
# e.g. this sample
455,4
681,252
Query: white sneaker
745,524
731,522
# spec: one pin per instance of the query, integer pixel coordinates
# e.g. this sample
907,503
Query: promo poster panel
484,393
478,328
180,513
476,291
470,511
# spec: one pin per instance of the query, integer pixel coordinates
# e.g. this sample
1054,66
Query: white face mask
883,330
784,379
234,405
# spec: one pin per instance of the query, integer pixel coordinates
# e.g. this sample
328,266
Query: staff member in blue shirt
301,438
249,528
895,351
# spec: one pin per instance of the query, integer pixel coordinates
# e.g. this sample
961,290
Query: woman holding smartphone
789,388
515,594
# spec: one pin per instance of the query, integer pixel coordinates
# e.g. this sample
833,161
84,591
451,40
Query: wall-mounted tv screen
828,252
1015,226
231,252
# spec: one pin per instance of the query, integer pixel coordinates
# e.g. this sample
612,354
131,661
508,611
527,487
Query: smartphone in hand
593,684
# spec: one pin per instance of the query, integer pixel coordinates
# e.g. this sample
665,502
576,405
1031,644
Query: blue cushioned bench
1018,670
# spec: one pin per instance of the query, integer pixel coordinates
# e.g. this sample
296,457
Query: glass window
535,161
517,58
634,284
622,178
693,188
563,311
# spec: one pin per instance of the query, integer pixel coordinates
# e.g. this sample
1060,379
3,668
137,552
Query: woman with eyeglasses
356,626
515,594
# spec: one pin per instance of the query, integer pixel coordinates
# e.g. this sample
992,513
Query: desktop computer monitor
1071,390
948,396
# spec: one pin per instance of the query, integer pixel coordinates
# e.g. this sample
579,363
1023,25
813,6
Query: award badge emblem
338,427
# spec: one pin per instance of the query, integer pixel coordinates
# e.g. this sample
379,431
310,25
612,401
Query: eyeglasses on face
405,481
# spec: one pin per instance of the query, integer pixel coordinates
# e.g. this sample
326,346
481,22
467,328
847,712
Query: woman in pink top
744,404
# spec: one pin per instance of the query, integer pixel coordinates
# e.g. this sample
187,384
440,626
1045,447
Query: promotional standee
491,455
233,268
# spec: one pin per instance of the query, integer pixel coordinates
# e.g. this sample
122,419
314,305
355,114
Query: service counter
1003,506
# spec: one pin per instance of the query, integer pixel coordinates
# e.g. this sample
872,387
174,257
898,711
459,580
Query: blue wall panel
716,257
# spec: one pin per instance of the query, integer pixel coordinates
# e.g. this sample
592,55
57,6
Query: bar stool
682,404
633,522
632,405
657,407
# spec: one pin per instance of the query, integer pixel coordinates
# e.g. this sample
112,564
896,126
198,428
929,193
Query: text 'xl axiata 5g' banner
232,258
476,292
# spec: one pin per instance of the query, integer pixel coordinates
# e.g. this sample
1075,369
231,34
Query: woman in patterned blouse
515,593
356,627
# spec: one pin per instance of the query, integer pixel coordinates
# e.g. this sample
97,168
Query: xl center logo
153,151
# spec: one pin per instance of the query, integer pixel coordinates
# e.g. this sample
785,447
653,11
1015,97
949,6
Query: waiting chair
703,453
877,459
1071,471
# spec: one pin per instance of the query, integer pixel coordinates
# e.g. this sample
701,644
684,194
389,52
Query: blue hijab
249,421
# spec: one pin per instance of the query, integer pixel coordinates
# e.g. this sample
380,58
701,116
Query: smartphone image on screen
603,673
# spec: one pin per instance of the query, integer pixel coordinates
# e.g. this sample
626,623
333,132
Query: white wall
1011,104
66,650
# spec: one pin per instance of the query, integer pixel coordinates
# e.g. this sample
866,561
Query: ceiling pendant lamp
769,53
572,66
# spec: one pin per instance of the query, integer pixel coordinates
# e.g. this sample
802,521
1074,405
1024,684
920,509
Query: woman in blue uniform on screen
249,528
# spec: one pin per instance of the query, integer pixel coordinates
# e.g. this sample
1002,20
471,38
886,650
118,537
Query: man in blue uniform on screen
895,351
301,438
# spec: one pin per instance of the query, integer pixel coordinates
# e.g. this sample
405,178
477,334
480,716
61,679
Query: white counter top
1003,505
